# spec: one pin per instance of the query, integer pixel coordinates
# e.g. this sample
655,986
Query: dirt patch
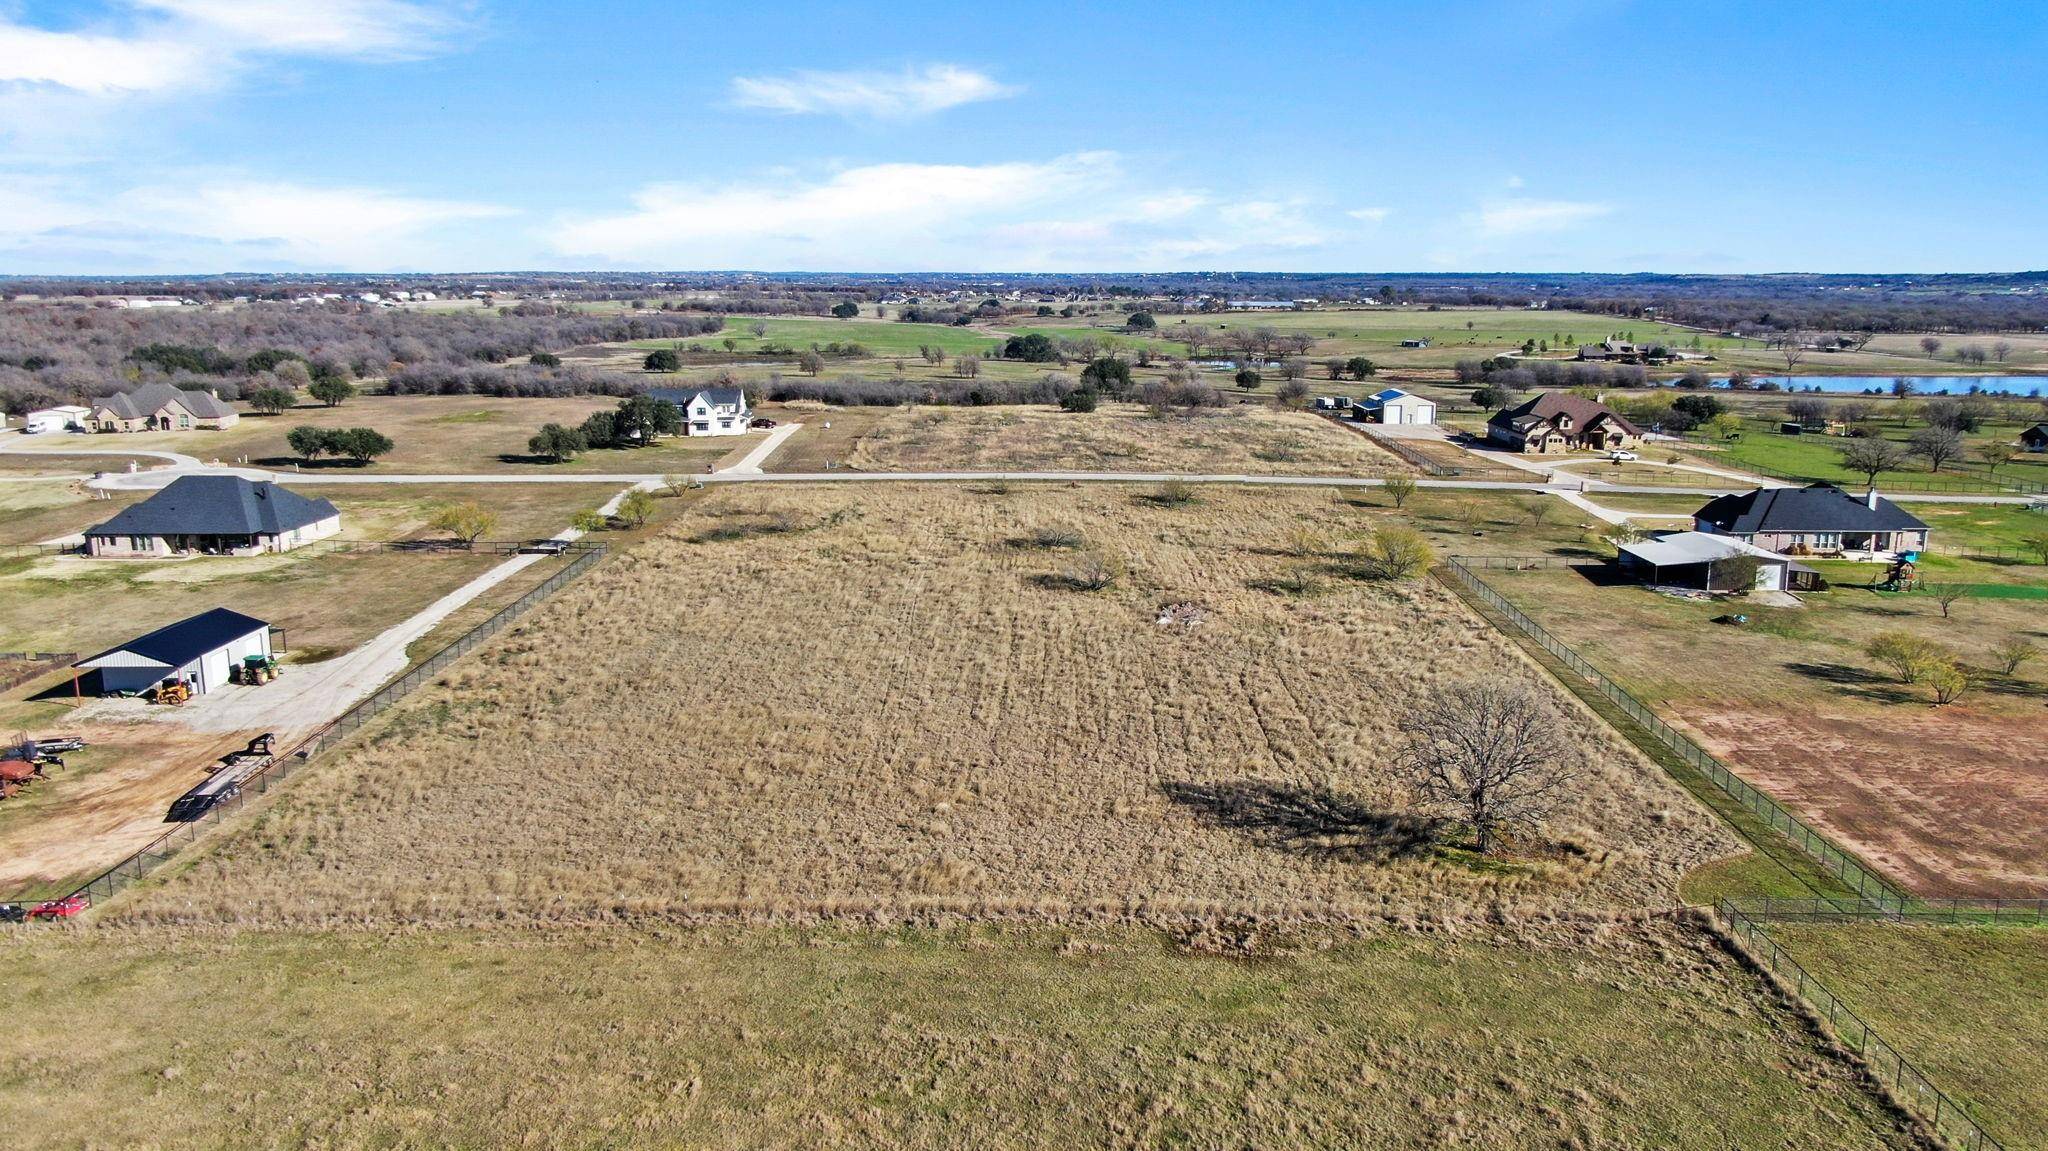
1952,802
108,801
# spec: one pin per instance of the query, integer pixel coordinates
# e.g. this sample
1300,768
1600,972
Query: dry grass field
1249,438
1648,1037
1948,801
1964,1003
890,700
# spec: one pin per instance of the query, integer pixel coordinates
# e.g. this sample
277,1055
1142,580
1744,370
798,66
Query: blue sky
1576,135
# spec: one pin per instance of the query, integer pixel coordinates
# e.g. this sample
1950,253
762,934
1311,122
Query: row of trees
359,445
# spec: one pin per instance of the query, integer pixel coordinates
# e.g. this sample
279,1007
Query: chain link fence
1912,1087
1836,862
283,766
1974,912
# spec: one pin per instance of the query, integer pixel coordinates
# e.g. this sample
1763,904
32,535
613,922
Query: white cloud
1081,211
1519,217
1369,215
210,221
874,95
180,45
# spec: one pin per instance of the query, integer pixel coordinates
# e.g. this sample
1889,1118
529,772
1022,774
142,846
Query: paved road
158,477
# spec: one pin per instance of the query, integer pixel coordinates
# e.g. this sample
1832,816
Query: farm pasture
892,700
1640,1037
1962,1002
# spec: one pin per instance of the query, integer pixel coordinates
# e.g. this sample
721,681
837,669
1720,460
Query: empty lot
888,700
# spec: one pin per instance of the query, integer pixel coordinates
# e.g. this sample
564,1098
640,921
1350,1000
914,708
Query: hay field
822,1039
863,700
1247,438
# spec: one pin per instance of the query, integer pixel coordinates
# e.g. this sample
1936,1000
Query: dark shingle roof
217,505
188,639
1550,405
150,398
1818,508
2037,432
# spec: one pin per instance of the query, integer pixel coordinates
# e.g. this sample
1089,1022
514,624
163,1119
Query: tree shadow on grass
1310,822
1856,681
300,463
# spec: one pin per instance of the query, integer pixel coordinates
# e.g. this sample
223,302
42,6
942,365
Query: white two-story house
709,411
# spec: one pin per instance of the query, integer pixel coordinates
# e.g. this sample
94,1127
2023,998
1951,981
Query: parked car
63,908
12,913
1622,457
549,547
761,422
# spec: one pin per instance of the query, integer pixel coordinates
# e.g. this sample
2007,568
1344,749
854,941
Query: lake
1922,385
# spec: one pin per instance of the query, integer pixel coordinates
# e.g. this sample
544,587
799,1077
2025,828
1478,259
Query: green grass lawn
783,1038
883,338
1819,457
1964,1003
1979,525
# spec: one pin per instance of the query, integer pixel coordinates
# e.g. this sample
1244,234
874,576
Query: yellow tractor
173,692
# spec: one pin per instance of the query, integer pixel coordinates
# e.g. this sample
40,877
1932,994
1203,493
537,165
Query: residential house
196,651
1613,351
215,515
1700,561
1394,406
62,418
709,411
2035,439
160,408
1820,519
1562,422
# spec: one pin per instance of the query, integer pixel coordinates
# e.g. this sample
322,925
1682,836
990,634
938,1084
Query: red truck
64,908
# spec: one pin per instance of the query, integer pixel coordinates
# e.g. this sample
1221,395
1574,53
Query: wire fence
1836,862
283,766
1908,1083
1972,912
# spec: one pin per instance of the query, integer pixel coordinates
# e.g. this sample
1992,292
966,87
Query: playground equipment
1903,573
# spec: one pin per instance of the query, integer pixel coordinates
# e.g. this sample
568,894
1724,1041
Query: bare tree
1930,345
1948,595
1792,346
1936,445
1398,489
1997,454
1491,752
2001,350
1872,455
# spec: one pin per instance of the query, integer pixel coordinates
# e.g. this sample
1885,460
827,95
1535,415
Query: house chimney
1870,499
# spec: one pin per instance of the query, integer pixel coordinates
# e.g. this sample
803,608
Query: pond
1922,385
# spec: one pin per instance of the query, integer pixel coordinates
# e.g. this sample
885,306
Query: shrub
331,390
1395,552
1094,572
637,506
1035,348
1107,374
1246,378
1174,494
662,360
1080,400
271,401
1398,489
1908,656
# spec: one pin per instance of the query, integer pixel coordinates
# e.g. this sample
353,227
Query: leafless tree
1491,752
2001,349
1872,455
1792,346
1930,345
1936,445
